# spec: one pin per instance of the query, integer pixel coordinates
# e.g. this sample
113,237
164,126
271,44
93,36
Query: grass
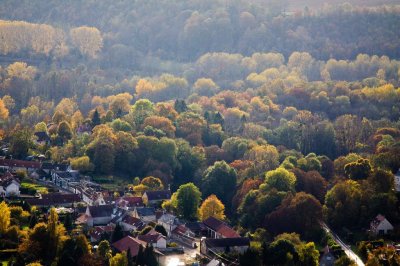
31,185
111,182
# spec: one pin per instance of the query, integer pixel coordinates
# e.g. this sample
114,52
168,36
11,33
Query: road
345,247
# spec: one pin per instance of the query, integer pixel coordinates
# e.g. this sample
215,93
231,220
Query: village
139,220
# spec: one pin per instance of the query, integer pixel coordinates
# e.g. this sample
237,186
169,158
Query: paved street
345,247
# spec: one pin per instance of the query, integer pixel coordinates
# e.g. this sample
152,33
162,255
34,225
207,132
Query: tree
88,40
205,87
381,180
3,111
358,170
5,215
82,164
280,179
264,157
300,213
152,183
96,118
21,141
220,179
104,250
117,234
64,130
311,182
120,259
188,198
212,206
102,149
343,204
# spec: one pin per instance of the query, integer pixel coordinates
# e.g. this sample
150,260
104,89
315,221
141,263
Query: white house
99,215
154,238
380,225
169,222
129,223
211,246
146,214
397,181
9,187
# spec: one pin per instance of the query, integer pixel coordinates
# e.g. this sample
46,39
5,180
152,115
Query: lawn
113,183
30,185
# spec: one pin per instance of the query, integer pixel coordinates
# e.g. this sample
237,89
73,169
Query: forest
285,116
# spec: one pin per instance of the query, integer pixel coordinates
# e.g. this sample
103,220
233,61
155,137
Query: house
14,165
153,198
99,215
100,232
42,138
146,214
117,216
154,238
218,229
212,246
54,199
128,242
64,178
48,167
198,228
129,203
380,225
327,258
9,185
169,222
183,234
130,223
397,181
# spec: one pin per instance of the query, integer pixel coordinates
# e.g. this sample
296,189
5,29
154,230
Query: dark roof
53,199
101,211
146,211
195,226
42,136
5,182
19,163
227,242
158,195
55,166
130,202
133,221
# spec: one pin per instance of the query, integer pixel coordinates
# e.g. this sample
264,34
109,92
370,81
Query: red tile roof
227,232
130,243
220,227
99,230
151,237
20,163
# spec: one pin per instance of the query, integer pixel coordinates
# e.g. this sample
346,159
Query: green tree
188,198
104,250
220,179
280,179
358,170
20,142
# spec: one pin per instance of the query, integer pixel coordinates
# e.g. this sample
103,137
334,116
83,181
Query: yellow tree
3,111
5,215
120,259
212,206
88,40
